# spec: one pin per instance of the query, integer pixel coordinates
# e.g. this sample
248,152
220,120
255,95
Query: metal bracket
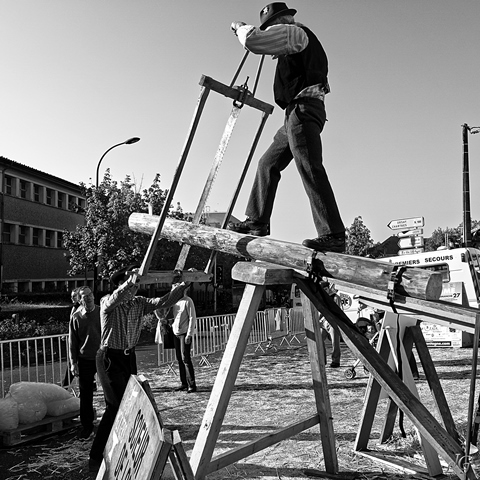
394,280
242,93
312,275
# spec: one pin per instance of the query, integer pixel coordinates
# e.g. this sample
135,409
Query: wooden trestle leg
257,276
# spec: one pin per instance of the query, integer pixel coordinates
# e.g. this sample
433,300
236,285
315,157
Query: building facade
35,209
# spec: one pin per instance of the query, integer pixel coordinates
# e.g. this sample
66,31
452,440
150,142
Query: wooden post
316,351
413,282
225,381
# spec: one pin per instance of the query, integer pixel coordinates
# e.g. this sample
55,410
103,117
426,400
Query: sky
78,77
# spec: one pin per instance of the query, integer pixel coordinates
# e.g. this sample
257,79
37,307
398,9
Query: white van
460,269
454,266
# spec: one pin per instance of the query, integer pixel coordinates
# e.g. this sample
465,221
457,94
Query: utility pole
467,220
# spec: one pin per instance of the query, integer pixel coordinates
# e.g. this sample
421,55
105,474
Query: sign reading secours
406,223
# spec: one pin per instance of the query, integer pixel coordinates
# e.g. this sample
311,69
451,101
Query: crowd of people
102,340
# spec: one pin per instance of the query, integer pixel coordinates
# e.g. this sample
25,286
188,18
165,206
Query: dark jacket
300,70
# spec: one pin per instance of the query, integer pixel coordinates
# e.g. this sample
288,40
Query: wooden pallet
40,429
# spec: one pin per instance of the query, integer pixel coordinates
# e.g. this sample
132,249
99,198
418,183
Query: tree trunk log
411,282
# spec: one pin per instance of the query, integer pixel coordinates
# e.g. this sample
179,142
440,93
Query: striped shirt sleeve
169,299
275,40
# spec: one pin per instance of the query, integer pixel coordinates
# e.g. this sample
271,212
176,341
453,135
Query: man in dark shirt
84,341
300,87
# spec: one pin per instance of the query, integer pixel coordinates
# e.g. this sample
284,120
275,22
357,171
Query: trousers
114,370
86,378
298,139
184,357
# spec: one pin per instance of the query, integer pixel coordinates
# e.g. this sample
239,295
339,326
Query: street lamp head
132,140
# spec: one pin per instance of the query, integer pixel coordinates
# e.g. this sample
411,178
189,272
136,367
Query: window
7,233
23,189
59,240
48,238
22,234
60,200
35,236
72,202
36,193
9,185
49,196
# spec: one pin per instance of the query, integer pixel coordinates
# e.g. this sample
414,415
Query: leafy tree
454,236
359,240
105,239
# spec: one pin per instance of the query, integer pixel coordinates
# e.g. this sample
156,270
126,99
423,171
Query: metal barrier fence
212,333
37,359
44,359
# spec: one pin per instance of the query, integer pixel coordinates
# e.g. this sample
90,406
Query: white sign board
411,251
410,242
408,233
406,223
136,440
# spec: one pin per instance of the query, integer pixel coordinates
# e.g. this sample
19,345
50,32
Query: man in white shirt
184,322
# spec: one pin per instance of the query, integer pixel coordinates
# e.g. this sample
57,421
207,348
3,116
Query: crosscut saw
222,147
241,97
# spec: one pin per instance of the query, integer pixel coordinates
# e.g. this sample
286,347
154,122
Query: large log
412,282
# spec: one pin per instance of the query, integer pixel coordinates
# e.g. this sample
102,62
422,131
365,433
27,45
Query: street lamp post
126,142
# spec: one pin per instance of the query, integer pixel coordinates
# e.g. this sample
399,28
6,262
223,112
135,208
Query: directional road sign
410,242
411,251
409,233
406,223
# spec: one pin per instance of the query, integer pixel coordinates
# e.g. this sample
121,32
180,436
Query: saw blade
222,147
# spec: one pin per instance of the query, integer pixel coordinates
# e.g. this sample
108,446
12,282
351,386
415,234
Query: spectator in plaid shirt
121,313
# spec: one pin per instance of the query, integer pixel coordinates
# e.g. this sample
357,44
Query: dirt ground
273,389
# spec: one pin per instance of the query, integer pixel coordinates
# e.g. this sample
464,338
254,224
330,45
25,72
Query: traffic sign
406,223
411,251
410,242
408,233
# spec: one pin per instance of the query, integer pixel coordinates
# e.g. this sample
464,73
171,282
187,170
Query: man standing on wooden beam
300,86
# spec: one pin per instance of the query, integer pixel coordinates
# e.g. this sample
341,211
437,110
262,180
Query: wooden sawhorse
257,276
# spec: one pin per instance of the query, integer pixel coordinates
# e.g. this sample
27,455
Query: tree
105,239
454,236
358,238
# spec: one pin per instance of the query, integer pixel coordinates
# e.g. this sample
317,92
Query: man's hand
235,26
177,276
188,339
74,369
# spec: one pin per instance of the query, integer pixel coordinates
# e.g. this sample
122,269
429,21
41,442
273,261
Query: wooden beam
260,273
233,93
371,273
225,381
317,355
168,276
439,312
259,444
